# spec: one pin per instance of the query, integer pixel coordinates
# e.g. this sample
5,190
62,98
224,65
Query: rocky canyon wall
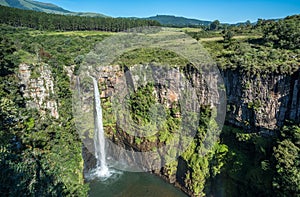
262,103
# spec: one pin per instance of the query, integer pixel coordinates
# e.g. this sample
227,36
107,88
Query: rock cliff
37,85
262,103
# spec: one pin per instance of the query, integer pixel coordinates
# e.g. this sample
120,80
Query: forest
41,155
43,21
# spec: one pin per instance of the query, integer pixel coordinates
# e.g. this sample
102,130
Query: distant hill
44,7
165,20
176,21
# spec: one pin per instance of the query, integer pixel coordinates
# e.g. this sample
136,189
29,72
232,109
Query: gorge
52,132
272,97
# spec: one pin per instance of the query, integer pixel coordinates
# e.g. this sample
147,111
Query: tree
8,62
214,25
287,162
283,33
248,24
45,21
227,35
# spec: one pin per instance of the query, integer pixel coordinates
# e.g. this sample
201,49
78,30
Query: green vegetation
175,21
260,165
154,120
151,55
40,155
8,60
286,155
247,163
282,34
228,35
33,5
43,21
260,56
44,7
215,25
204,162
64,48
140,103
268,47
253,59
217,30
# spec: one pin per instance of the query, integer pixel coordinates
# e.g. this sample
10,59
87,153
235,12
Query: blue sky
224,10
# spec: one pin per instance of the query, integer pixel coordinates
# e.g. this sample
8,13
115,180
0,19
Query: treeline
43,21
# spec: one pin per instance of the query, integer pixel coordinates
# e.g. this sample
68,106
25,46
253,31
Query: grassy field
218,38
71,33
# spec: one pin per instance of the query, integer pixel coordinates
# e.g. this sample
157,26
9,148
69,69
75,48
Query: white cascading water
102,170
78,85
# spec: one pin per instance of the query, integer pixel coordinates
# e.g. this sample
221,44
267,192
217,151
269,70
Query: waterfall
78,85
99,139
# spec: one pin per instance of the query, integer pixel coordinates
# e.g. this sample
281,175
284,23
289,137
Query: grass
63,47
26,57
148,55
190,29
219,38
71,33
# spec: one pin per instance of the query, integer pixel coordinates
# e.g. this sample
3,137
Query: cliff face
51,134
38,87
262,103
169,87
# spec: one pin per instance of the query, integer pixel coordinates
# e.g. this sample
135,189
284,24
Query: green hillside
44,7
176,21
165,20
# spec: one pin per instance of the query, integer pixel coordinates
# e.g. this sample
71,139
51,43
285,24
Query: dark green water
134,184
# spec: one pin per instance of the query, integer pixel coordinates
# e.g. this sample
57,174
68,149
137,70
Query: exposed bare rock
38,89
262,103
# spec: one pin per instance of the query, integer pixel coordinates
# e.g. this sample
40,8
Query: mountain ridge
163,19
45,7
167,20
178,21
